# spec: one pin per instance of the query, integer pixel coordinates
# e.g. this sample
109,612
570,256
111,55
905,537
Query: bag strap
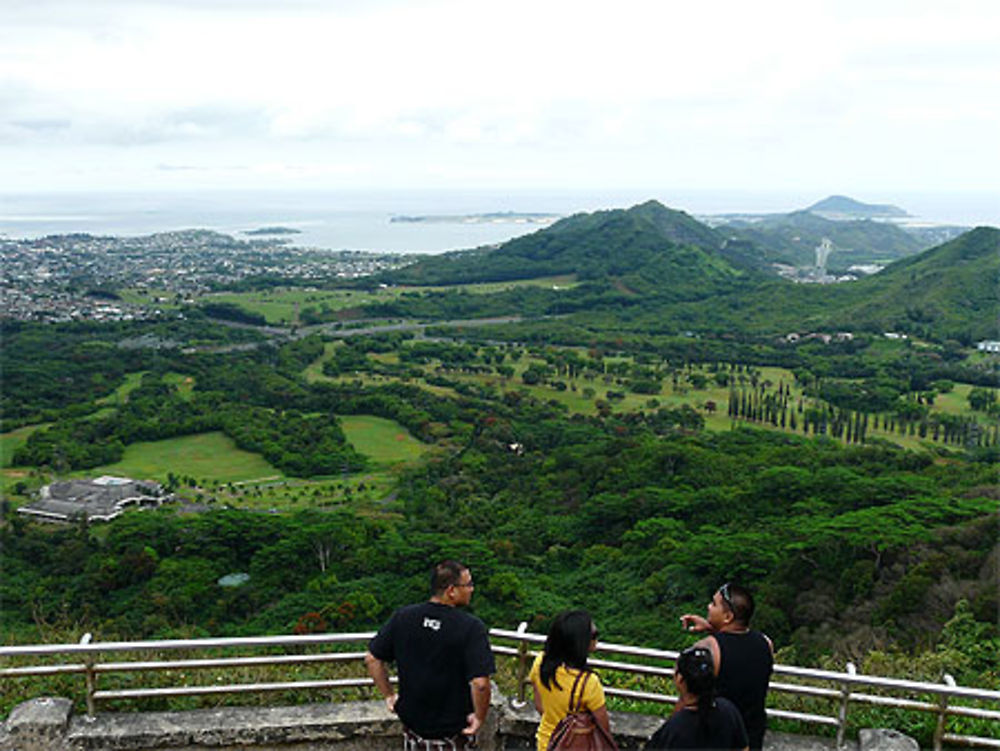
583,674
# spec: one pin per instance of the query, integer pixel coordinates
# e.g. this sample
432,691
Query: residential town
76,277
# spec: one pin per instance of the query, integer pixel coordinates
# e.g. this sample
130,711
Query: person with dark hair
444,662
700,719
743,659
563,663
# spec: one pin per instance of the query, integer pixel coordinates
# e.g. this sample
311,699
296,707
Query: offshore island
496,217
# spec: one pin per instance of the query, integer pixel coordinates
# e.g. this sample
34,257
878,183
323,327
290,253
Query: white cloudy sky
854,96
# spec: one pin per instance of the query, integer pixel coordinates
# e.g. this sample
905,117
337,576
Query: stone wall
49,724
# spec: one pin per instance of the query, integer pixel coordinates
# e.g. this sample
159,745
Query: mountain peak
844,207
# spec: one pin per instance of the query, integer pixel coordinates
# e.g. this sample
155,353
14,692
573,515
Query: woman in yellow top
571,638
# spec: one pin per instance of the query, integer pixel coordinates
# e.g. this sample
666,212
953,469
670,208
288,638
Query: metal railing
841,690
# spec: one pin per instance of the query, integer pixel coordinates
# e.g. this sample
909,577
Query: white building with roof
100,499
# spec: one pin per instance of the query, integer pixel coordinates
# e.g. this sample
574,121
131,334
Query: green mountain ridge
645,249
951,287
947,292
792,238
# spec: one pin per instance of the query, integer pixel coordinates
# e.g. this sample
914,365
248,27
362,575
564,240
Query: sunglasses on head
727,596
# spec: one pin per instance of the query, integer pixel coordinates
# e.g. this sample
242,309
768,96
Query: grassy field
670,396
12,441
224,474
281,306
184,384
956,402
384,442
120,394
211,457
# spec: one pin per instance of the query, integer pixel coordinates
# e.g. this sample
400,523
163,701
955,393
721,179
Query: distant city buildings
78,277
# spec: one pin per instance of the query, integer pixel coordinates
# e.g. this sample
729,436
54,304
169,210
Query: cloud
41,124
641,87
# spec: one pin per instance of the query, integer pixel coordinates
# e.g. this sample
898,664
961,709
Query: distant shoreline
496,217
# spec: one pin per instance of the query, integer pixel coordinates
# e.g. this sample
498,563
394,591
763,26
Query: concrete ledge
47,724
37,724
357,725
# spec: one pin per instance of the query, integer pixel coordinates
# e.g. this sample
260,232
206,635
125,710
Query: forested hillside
792,238
649,247
944,293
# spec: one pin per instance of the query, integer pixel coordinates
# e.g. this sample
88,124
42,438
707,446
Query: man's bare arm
380,674
481,692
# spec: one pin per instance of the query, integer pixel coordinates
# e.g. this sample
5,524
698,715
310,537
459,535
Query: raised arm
691,622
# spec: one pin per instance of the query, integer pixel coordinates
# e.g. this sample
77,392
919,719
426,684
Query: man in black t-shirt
743,658
443,659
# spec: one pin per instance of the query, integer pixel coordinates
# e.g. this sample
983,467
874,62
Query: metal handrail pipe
239,688
920,706
602,646
819,719
876,681
971,740
626,649
168,644
801,690
502,650
42,670
226,662
504,633
629,667
977,712
626,693
892,701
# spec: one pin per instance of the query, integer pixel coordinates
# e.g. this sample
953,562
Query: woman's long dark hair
697,668
568,643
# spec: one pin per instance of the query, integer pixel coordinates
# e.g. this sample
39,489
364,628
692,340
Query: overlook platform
49,724
329,663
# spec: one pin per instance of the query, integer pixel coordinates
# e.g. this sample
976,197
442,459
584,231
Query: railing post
522,664
942,713
845,695
89,675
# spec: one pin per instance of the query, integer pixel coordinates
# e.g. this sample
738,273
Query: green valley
651,413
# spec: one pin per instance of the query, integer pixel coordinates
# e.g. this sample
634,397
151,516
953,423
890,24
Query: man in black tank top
743,658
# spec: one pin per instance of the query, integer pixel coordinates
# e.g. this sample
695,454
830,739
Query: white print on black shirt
432,623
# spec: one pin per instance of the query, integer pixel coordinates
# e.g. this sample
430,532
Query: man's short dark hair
446,574
741,602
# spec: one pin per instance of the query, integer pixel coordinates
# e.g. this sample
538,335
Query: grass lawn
9,476
956,402
228,475
314,371
183,383
383,441
207,456
281,306
120,394
12,441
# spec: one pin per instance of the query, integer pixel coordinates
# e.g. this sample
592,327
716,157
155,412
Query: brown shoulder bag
578,730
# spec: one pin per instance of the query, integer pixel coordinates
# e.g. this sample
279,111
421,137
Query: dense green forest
619,448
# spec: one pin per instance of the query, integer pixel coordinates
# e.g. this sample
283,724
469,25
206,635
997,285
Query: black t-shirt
437,649
745,666
723,730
